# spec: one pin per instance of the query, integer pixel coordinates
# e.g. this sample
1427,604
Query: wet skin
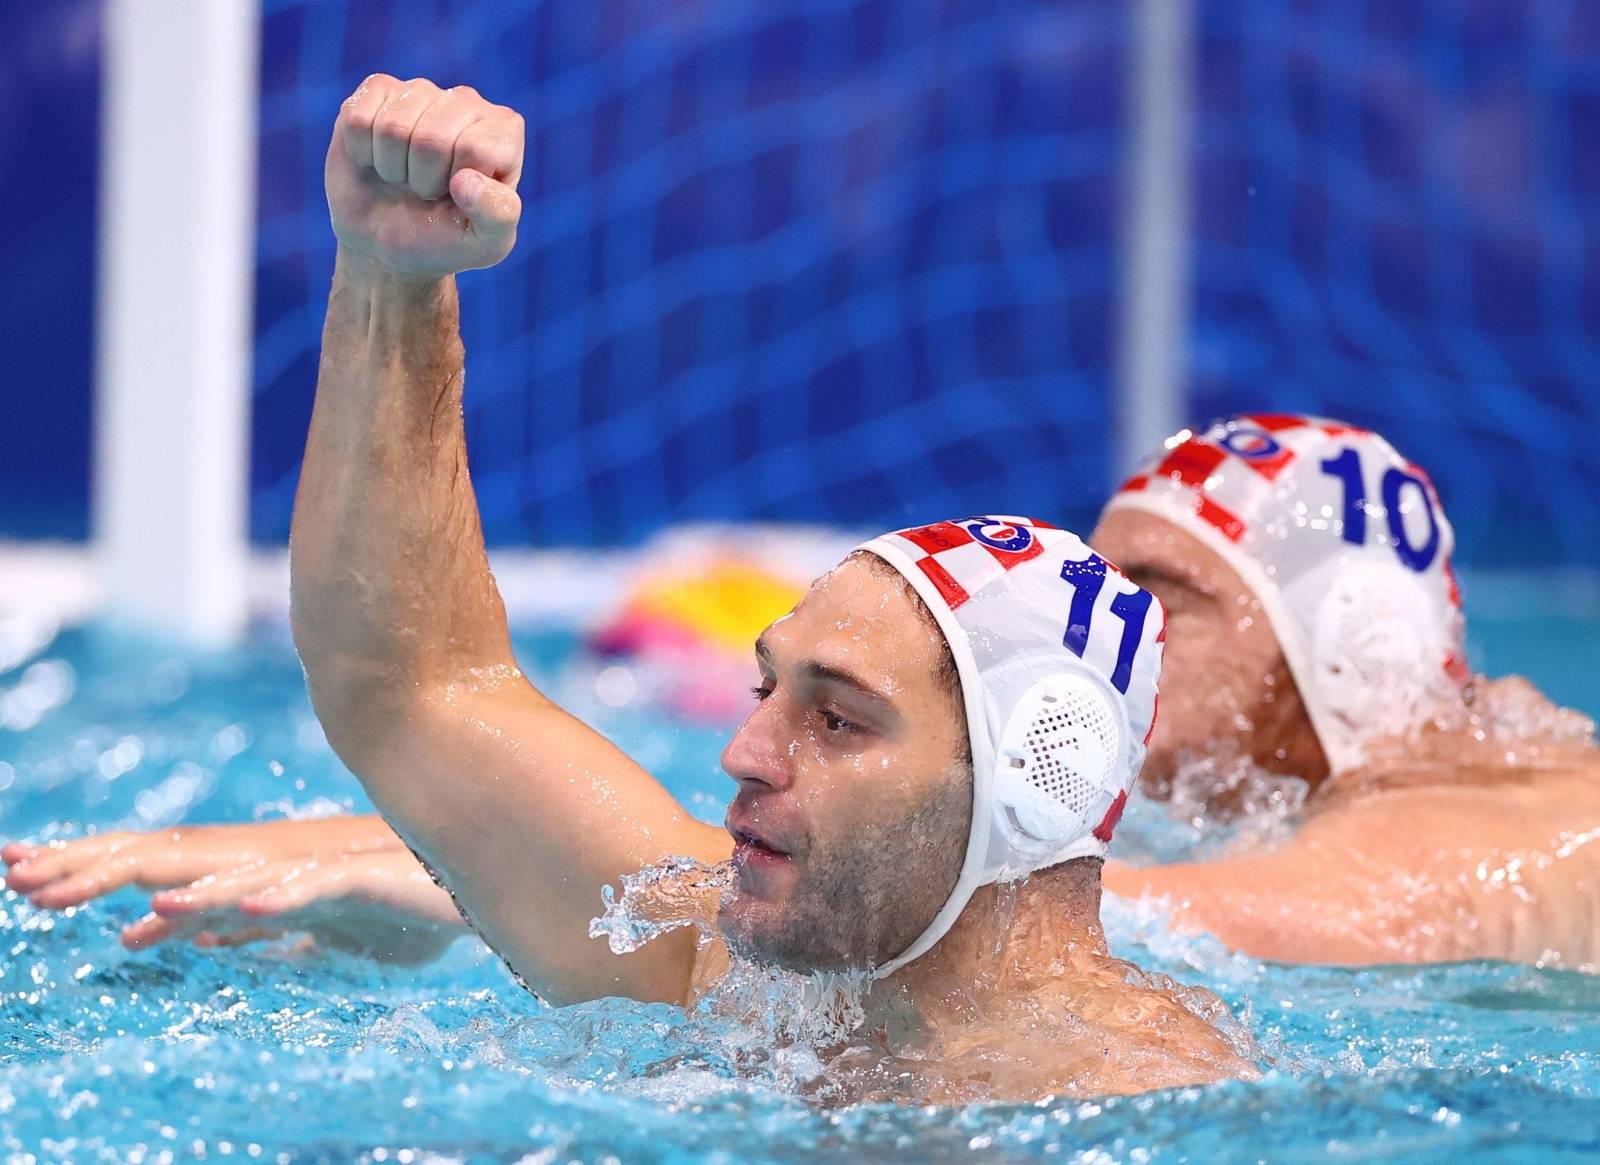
853,803
1225,688
523,811
1476,837
851,815
848,825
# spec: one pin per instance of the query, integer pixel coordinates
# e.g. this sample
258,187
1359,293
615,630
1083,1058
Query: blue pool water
181,1054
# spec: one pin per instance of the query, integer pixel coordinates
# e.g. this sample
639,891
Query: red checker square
951,591
1191,463
1108,824
1230,525
937,537
1276,422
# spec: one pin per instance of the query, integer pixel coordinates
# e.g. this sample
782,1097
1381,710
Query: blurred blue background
856,261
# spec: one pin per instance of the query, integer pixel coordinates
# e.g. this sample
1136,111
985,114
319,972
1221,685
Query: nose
761,750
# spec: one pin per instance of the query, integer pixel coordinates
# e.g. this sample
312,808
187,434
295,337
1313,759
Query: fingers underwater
151,930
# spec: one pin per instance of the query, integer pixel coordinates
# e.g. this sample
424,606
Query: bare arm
522,810
1360,887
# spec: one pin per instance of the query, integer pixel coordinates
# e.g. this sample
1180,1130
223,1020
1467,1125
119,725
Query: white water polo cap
1058,656
1347,549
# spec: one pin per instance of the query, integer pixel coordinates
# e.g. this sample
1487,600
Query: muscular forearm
1252,907
391,589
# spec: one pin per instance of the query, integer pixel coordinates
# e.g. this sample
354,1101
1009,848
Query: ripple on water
177,1053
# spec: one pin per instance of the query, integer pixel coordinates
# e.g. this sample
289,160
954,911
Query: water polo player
1316,631
951,710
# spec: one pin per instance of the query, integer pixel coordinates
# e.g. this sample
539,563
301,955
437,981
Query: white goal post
1153,317
174,298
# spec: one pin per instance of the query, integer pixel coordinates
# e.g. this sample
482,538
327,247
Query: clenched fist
422,181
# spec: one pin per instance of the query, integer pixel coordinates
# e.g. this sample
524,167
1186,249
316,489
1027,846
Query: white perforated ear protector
1061,762
1373,655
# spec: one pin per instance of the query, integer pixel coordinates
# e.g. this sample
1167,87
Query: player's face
1225,688
852,813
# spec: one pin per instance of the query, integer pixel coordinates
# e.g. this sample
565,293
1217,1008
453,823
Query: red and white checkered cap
1348,549
1059,656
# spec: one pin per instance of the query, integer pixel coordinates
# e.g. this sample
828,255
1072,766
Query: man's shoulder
1141,1031
1462,808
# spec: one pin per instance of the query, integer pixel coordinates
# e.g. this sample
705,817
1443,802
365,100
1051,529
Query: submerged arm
522,811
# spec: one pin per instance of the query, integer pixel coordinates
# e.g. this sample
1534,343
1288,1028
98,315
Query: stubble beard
865,899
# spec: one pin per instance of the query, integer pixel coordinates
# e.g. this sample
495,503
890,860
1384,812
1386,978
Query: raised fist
422,181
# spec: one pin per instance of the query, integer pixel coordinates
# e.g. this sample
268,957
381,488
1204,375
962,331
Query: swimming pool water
262,1054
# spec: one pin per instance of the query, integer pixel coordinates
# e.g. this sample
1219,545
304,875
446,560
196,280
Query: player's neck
1012,937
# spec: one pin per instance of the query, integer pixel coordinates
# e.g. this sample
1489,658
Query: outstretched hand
349,882
382,905
70,873
422,181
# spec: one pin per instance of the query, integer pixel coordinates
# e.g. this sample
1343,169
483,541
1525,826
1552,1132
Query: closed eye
1171,588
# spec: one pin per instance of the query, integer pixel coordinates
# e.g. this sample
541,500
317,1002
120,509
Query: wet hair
949,676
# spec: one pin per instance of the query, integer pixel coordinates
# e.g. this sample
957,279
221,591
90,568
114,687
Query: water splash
1511,711
772,1006
1505,727
672,894
1257,808
1217,804
788,1010
765,1024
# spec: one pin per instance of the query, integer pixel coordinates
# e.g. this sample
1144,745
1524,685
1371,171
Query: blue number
1087,578
1418,558
1347,467
1131,609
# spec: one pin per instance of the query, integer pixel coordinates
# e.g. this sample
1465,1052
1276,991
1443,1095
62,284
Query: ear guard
1059,772
1364,650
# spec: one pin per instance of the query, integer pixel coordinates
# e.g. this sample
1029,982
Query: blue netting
853,261
1397,209
844,261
